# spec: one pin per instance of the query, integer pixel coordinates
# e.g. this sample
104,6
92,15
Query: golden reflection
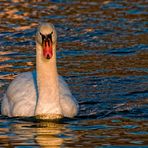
47,135
4,58
119,131
44,134
21,28
106,2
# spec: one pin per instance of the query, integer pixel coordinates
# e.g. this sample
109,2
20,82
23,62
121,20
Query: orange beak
47,49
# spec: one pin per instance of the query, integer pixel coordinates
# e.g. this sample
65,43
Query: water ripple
102,54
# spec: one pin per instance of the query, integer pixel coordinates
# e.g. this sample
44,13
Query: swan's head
46,37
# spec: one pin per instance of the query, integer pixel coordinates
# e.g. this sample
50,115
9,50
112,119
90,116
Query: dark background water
102,54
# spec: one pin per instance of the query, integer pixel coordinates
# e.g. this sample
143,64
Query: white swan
41,93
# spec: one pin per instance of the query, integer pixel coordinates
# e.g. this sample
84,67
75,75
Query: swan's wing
21,95
68,102
63,87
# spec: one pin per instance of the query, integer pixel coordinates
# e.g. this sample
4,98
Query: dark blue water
102,54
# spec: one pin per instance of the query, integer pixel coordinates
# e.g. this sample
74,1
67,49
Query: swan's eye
43,36
49,36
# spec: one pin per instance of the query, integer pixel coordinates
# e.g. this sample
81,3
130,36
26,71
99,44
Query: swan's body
42,93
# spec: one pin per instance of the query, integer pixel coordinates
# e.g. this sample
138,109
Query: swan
41,93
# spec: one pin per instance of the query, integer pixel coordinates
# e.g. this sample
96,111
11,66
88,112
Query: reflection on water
105,132
102,54
26,133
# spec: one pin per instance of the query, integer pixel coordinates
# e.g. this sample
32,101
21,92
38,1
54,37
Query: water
102,54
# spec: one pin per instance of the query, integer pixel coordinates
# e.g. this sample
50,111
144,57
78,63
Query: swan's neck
48,88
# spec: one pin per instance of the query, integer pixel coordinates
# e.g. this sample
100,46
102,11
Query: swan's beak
47,48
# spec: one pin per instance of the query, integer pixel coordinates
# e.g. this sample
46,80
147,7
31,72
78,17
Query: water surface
102,54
